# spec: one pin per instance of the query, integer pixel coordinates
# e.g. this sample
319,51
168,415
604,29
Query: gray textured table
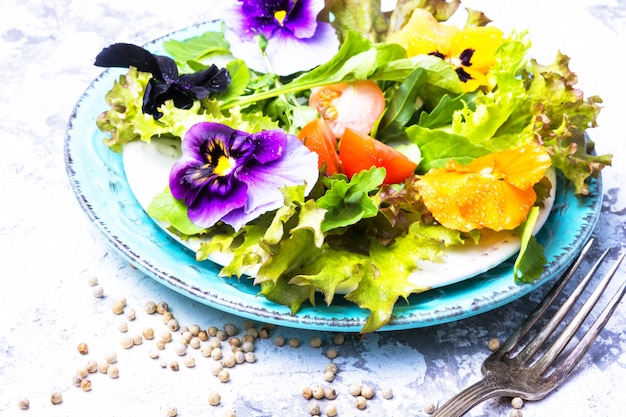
49,248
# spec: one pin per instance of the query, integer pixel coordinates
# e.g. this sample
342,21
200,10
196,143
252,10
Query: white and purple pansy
296,40
232,176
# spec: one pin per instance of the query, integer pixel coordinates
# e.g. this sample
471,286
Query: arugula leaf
401,106
443,113
348,201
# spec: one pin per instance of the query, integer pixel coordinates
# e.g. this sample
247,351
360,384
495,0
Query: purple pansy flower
296,41
234,176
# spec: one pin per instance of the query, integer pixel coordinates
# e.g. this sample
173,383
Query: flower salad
332,148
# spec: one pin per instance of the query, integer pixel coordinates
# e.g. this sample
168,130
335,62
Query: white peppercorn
85,385
216,368
338,339
360,402
231,329
113,371
228,361
172,411
203,336
332,367
189,361
150,307
166,316
166,335
223,375
314,409
162,307
216,354
429,408
103,367
92,366
307,393
517,403
76,380
318,393
212,331
294,342
229,413
117,307
205,350
160,344
194,329
97,291
174,366
250,357
329,376
331,410
354,390
83,349
315,342
331,353
122,327
367,391
387,393
130,314
221,335
239,357
110,356
82,371
56,398
92,280
148,333
247,346
493,344
137,339
154,354
172,324
330,393
180,349
23,403
194,343
214,398
279,340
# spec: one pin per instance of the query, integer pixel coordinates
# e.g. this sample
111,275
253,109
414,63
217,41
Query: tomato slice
356,105
358,151
317,136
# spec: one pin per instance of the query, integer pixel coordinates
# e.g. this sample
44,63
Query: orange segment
494,191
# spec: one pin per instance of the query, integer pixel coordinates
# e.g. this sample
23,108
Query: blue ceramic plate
100,185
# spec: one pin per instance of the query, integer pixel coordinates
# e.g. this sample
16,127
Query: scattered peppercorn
85,384
307,393
223,375
331,353
338,339
329,376
331,410
56,398
150,307
23,403
174,366
429,408
189,361
367,391
354,390
314,409
110,356
92,280
517,403
97,291
330,393
315,342
318,393
493,344
117,307
214,398
113,371
231,329
279,340
360,402
83,349
172,411
387,393
294,342
162,307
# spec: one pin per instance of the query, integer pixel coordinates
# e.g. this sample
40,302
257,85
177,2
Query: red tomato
356,105
358,151
317,136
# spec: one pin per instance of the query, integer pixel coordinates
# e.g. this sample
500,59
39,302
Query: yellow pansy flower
470,50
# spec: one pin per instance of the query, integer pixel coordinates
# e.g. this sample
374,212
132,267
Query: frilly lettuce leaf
379,290
348,201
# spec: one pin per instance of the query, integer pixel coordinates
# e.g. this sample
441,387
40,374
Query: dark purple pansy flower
166,83
234,176
296,40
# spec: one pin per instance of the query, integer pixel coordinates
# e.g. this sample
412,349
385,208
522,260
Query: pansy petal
297,167
209,208
289,55
269,145
302,19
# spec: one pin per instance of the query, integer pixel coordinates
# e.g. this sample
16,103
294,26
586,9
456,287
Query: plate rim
320,317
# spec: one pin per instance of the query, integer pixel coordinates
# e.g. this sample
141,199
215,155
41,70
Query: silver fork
521,370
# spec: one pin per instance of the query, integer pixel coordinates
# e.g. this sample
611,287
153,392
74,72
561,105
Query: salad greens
358,230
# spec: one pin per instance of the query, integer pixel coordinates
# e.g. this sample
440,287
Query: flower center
280,16
225,165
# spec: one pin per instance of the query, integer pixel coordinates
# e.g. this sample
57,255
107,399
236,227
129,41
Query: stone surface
49,248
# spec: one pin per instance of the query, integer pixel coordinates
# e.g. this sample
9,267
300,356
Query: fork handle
467,399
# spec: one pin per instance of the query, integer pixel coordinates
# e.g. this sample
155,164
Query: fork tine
561,342
539,339
566,367
513,340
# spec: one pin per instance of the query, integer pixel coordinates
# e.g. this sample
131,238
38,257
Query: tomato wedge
356,105
358,151
317,136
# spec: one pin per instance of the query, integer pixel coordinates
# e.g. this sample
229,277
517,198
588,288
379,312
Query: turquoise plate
99,183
